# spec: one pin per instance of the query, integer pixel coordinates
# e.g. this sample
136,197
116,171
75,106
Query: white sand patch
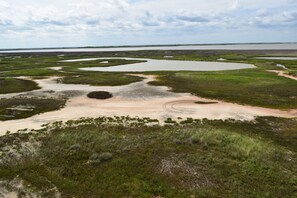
282,66
56,68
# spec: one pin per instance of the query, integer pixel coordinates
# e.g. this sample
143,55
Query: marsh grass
101,79
238,160
11,85
293,73
37,66
237,145
17,108
253,87
202,158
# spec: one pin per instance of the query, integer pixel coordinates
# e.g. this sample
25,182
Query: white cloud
76,18
265,18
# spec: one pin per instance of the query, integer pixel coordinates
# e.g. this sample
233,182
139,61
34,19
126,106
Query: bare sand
136,99
283,74
56,68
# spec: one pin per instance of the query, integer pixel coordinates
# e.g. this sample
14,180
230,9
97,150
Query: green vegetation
39,66
135,157
32,72
251,86
100,95
17,108
293,73
11,85
101,79
202,102
170,121
108,157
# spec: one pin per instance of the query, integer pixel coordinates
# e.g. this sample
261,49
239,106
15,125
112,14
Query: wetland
165,123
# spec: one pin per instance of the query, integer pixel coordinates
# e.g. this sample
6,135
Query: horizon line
145,45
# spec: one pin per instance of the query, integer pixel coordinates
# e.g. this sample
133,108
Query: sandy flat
136,99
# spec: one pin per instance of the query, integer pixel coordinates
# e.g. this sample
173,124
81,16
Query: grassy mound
202,102
101,79
100,95
12,85
17,108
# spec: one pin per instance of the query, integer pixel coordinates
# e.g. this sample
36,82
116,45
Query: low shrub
170,121
75,147
105,156
236,145
95,159
100,95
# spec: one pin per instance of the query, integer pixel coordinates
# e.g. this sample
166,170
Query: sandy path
137,99
283,74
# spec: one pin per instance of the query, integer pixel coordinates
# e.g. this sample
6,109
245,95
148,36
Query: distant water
278,58
284,46
166,65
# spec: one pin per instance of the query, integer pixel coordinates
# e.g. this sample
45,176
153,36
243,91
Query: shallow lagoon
165,65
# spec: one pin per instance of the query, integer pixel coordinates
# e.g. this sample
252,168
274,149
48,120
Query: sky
73,23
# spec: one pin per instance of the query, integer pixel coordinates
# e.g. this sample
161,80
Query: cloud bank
48,23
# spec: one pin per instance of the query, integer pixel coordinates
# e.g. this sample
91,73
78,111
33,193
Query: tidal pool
164,65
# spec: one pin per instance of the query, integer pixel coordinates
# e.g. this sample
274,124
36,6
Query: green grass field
251,86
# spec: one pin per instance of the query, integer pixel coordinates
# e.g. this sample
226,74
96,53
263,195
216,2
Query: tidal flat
172,132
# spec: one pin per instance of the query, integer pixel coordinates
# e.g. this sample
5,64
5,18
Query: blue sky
56,23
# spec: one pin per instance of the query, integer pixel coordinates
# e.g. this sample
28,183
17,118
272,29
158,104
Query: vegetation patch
95,159
121,157
13,85
203,102
252,86
293,73
100,95
38,66
17,108
101,79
